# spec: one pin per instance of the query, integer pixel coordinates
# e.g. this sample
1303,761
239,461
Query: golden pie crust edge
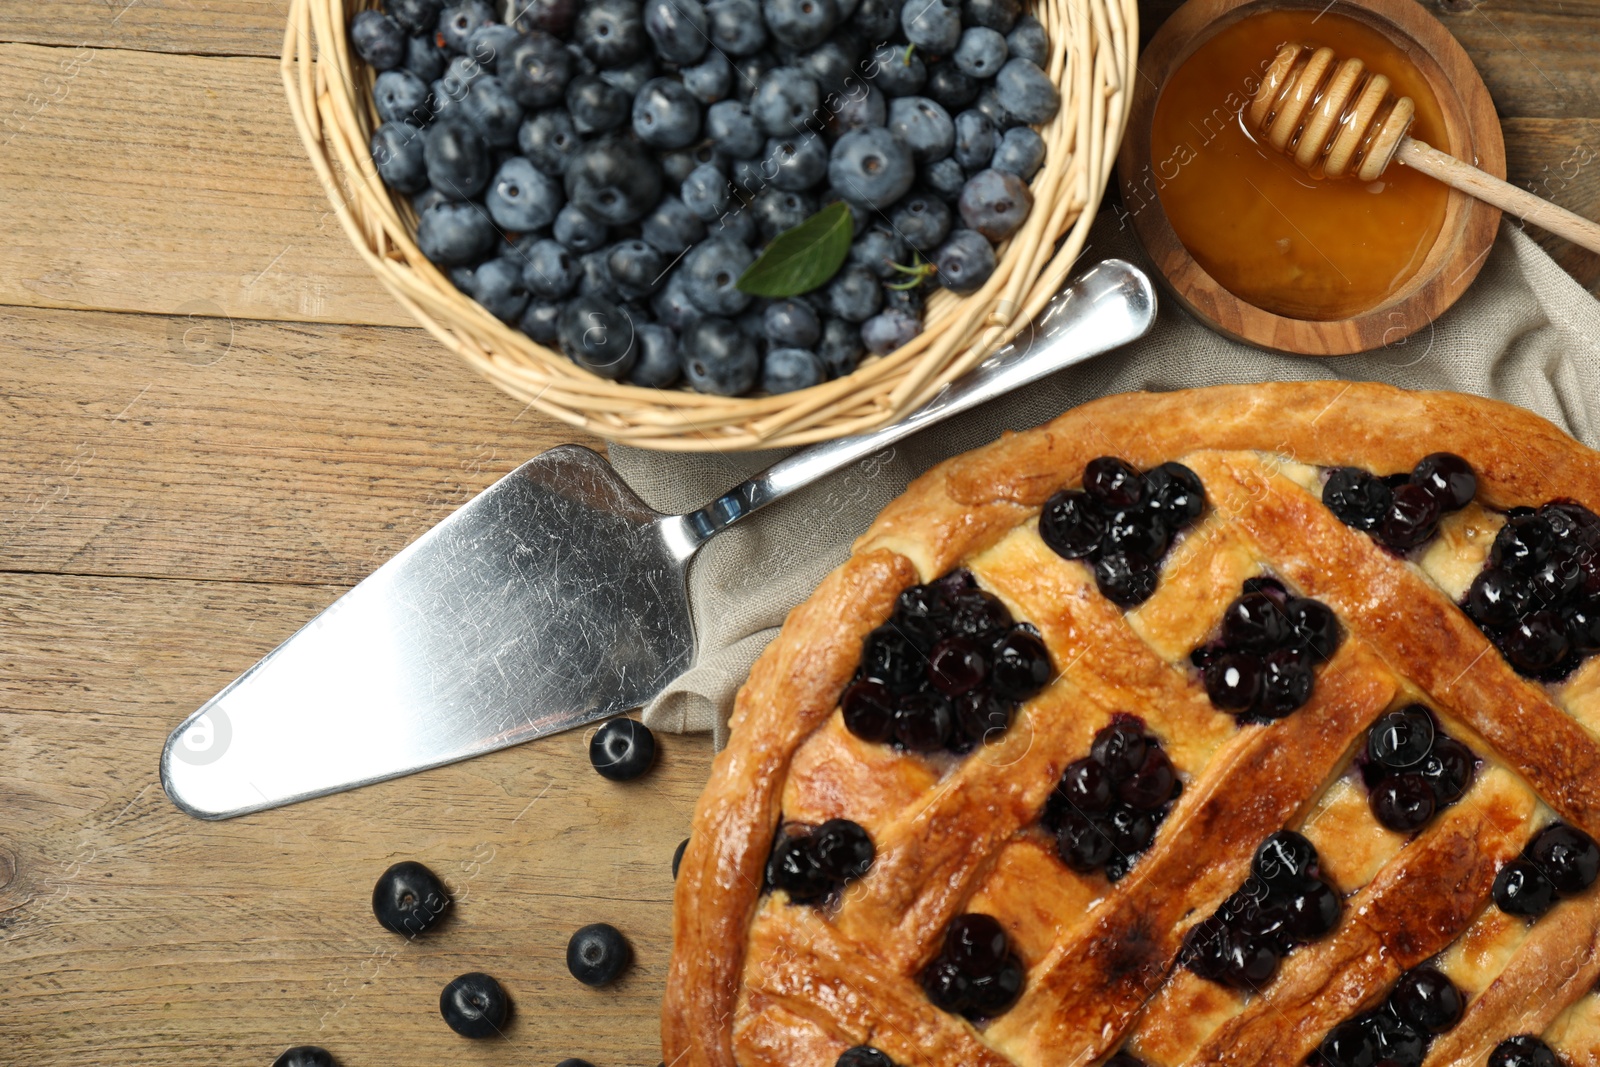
966,504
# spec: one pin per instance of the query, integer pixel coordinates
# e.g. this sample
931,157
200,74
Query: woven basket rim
1092,60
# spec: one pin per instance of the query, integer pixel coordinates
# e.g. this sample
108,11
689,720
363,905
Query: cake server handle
1107,306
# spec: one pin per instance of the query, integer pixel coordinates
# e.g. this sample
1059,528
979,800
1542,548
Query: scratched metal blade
548,601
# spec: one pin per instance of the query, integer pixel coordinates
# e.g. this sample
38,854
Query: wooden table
214,422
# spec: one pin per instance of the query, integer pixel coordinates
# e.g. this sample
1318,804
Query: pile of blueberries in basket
603,173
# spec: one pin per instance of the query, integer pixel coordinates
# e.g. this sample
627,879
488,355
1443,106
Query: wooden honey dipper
1336,115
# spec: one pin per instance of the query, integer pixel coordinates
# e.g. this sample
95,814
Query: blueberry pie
1254,726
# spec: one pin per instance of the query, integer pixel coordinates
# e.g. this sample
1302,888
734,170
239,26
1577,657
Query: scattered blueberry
305,1056
677,856
863,1056
598,954
622,749
474,1005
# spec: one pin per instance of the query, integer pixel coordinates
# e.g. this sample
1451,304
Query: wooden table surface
214,422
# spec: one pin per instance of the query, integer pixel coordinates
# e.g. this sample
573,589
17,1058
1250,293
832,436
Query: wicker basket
1094,52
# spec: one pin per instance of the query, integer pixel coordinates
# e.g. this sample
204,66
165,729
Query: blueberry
790,323
672,306
613,180
865,105
867,708
897,70
672,228
598,954
981,53
878,250
705,192
1234,680
877,20
457,159
1351,1044
424,58
1523,545
622,749
854,294
795,867
1021,152
409,898
800,24
679,28
737,26
417,16
871,166
399,155
833,63
951,89
521,198
923,220
1537,643
597,335
1448,478
548,139
1026,91
945,179
547,16
840,348
988,102
843,850
1284,860
458,22
787,101
305,1056
379,40
737,225
596,105
776,211
542,321
455,233
577,231
712,269
636,268
665,115
976,140
453,85
734,130
499,288
785,370
1426,1000
1021,666
719,358
611,32
995,203
863,1056
1403,802
1401,739
1411,518
709,80
536,71
474,1005
889,330
401,96
677,861
1524,1050
932,25
658,364
1313,628
594,278
1567,856
750,71
965,261
489,42
924,126
998,15
797,163
631,77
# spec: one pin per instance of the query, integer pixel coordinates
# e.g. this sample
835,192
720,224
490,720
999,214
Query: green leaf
800,259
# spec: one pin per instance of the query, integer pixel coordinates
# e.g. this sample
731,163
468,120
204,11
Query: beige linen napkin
1525,332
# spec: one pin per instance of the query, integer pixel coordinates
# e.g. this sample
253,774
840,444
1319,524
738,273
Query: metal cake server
553,598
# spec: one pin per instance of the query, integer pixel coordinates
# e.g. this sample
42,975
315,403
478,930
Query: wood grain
239,450
132,933
159,183
209,27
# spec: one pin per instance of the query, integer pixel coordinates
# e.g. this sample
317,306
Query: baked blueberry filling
1105,810
975,974
1524,1050
1401,511
1422,1005
1412,768
813,863
1538,596
1122,522
863,1056
947,670
1560,861
1283,904
1262,664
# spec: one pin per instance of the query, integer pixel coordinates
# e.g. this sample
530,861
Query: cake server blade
554,598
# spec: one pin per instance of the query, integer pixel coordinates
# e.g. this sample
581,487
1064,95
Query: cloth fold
1524,332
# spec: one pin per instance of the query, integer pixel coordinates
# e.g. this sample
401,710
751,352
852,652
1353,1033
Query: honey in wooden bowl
1291,243
1264,252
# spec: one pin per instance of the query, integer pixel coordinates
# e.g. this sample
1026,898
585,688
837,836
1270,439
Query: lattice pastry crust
756,980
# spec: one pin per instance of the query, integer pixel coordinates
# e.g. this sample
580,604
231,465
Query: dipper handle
1336,118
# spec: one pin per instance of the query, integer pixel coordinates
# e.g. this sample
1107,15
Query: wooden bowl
1453,260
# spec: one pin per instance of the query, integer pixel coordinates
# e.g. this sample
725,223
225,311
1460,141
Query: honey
1291,243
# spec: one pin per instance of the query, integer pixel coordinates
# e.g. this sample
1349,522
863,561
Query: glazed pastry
1251,725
